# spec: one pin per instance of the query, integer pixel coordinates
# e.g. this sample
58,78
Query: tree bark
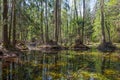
46,28
5,26
56,20
42,34
14,24
102,21
83,21
59,20
10,26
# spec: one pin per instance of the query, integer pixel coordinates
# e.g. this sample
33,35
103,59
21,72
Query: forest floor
7,54
94,46
23,47
12,55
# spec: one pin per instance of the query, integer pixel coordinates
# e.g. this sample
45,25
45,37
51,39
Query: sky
92,3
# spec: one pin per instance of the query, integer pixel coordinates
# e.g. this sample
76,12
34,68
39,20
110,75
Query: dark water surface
63,65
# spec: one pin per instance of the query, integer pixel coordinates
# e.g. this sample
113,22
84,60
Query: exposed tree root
51,45
80,46
21,46
106,47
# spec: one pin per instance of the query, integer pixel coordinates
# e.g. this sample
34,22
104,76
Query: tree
11,21
14,23
102,21
46,22
5,24
83,21
57,19
41,30
105,45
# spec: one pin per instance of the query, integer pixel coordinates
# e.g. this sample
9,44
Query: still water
63,65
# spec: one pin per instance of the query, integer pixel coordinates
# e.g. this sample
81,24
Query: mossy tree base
80,46
106,47
51,45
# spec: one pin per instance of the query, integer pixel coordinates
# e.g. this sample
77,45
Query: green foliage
30,23
111,16
97,29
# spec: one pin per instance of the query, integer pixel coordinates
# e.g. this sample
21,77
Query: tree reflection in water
69,65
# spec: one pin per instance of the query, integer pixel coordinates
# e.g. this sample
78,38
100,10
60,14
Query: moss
87,75
110,72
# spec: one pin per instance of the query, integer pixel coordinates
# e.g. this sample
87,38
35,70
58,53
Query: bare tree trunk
83,21
102,21
1,9
46,28
80,13
14,23
5,26
57,17
10,26
59,20
42,34
76,13
56,20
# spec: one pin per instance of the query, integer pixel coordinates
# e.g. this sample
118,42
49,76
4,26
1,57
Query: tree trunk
5,26
14,24
46,28
10,26
83,21
102,21
76,12
76,18
56,20
42,34
59,20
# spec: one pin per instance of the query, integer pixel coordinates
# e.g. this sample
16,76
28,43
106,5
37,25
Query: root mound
51,45
106,47
80,46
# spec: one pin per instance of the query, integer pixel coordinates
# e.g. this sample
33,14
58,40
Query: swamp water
63,65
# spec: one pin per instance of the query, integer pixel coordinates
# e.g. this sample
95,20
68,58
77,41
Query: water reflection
0,69
64,65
